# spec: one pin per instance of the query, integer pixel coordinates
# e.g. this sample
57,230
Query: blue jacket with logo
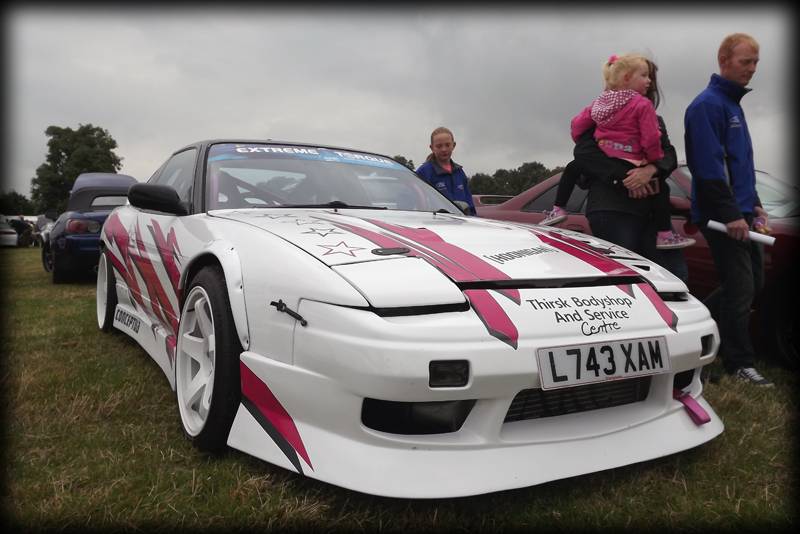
719,154
453,185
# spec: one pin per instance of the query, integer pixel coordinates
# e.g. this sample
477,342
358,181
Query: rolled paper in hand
755,236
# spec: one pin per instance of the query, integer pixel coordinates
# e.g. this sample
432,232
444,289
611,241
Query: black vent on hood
551,282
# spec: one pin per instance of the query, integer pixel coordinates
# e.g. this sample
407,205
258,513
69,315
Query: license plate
576,365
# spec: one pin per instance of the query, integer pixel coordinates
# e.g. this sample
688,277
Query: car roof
101,179
207,142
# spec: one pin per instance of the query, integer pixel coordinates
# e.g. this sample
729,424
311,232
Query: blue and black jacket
454,186
719,154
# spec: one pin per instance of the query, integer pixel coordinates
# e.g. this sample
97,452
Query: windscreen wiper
335,204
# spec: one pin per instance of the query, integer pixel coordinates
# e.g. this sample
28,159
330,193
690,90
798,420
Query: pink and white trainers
669,239
554,216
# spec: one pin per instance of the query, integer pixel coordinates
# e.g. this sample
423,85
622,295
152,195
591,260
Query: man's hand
761,222
738,230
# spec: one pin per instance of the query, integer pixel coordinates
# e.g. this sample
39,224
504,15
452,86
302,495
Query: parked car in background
776,320
489,200
8,236
24,229
71,247
325,310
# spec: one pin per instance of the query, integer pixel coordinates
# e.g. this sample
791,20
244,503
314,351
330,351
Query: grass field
92,439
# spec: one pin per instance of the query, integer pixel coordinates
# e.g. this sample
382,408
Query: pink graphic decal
471,264
117,234
159,303
169,252
584,252
663,310
493,316
627,289
257,392
488,310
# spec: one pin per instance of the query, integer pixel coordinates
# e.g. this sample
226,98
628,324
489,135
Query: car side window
545,201
674,189
178,173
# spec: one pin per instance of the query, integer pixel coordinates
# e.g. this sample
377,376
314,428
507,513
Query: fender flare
225,254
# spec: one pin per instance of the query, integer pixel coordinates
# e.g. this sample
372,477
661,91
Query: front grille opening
683,379
538,403
437,417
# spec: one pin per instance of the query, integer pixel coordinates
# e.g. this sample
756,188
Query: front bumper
311,421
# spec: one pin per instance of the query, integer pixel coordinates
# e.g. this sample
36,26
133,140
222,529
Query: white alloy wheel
195,361
105,294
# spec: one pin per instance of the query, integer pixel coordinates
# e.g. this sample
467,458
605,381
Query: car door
154,245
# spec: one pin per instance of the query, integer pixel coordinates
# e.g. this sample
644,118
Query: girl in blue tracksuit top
442,172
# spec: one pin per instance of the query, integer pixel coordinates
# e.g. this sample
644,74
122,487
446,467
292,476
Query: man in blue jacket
442,172
719,154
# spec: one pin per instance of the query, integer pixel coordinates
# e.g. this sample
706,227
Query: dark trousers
637,233
740,266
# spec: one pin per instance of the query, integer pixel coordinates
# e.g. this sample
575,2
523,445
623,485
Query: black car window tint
542,202
178,173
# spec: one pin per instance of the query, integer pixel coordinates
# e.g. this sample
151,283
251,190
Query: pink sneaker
554,216
671,239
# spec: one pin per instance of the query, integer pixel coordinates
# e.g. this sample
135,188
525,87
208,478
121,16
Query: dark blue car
71,247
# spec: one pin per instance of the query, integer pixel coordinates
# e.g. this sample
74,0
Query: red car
777,319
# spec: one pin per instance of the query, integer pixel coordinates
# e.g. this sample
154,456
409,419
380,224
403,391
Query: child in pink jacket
626,128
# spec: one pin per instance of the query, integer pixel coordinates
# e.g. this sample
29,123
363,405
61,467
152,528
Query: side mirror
156,198
51,214
463,206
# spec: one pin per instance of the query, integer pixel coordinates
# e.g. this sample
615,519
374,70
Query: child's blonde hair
616,67
442,129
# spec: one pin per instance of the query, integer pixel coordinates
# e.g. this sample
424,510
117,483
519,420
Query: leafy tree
407,162
482,184
70,153
511,182
12,203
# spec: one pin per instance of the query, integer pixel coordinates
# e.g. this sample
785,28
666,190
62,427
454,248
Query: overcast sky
506,80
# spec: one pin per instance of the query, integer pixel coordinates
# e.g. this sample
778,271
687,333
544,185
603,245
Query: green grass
92,439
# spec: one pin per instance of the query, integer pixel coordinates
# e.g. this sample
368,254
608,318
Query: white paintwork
321,265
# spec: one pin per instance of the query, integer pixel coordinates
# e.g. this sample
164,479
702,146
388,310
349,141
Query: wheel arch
224,255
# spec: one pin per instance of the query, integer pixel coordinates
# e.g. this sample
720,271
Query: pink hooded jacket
627,126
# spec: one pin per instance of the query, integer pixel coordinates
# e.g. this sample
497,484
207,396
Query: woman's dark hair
653,92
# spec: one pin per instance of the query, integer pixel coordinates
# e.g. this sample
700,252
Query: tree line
91,149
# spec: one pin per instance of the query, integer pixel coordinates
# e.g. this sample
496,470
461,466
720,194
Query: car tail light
82,226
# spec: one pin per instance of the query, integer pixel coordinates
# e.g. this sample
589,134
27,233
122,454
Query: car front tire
106,294
207,362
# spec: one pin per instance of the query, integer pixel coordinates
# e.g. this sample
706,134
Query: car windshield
271,176
778,198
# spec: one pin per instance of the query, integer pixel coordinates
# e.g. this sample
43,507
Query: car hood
387,254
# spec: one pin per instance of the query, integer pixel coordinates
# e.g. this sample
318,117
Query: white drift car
327,311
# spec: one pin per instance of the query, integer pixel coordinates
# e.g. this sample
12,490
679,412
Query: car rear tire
47,258
61,273
106,294
207,362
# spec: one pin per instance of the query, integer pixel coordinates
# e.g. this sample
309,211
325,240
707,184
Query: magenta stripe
488,310
627,288
260,395
493,316
583,252
167,248
663,310
480,269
